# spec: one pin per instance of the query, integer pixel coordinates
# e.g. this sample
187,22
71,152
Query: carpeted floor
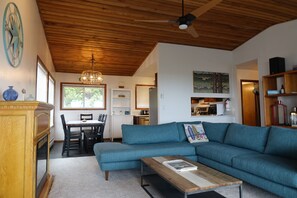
81,177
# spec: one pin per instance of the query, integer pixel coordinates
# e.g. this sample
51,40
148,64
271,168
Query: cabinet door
116,126
117,121
12,155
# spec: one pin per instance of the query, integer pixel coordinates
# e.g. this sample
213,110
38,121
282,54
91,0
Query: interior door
250,102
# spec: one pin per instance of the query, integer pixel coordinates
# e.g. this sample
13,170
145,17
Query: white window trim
42,67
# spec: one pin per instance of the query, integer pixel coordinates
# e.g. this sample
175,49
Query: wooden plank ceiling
77,28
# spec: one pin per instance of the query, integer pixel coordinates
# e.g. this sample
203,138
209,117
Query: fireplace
41,163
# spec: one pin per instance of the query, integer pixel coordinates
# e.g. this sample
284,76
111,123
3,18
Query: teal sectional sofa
263,156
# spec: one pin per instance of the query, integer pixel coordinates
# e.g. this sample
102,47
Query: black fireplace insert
41,163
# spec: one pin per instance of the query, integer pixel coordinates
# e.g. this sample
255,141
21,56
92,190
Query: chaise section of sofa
142,141
117,156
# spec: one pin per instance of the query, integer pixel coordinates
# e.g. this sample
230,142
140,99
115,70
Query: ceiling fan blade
191,30
156,21
199,11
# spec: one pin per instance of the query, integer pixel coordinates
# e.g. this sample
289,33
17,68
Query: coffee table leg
240,191
141,173
186,195
142,180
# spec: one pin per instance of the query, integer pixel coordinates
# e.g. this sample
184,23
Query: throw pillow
195,133
181,129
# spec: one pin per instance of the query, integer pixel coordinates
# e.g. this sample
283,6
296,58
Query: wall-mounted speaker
277,65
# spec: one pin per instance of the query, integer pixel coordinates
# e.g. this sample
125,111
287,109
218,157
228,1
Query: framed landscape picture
210,82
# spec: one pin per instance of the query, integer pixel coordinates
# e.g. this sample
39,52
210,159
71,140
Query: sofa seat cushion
276,169
148,134
117,152
249,137
222,153
282,142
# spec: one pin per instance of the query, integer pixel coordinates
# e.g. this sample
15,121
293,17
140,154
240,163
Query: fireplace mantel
22,125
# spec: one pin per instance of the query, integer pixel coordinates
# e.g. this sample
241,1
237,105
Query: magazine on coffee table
179,165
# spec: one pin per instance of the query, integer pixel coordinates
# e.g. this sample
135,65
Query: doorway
250,102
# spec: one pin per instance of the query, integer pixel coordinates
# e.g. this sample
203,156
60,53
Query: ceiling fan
184,22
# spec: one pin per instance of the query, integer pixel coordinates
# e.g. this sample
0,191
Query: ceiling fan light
183,26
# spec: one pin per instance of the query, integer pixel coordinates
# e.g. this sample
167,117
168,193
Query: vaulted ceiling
108,28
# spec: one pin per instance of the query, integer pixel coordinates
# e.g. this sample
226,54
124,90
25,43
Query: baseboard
57,141
105,140
47,186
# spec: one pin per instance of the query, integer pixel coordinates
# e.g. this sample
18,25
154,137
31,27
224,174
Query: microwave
220,108
216,109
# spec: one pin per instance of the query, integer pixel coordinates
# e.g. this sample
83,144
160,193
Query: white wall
276,41
175,80
24,76
112,82
150,65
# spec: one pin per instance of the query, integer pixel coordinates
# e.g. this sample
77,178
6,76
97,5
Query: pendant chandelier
91,77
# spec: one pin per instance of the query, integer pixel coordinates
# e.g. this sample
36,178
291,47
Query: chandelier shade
91,77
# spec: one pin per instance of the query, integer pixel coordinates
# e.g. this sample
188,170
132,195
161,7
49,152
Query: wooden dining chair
71,138
100,117
101,130
85,116
94,136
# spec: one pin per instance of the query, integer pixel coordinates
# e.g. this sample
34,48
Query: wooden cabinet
120,111
22,125
275,82
141,120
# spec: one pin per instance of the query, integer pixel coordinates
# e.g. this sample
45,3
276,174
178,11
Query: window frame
49,75
54,93
104,86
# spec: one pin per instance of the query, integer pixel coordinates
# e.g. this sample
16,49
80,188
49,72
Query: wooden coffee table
204,179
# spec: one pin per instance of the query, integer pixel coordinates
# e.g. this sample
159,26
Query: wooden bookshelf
270,82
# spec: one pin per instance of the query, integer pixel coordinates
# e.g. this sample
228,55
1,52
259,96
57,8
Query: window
80,96
51,97
41,82
45,87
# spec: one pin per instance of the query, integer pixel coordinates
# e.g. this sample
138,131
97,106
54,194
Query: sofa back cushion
215,131
146,134
282,142
249,137
181,130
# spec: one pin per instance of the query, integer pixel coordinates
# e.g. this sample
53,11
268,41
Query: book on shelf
180,165
272,92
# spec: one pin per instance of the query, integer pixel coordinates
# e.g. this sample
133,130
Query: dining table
83,123
95,124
